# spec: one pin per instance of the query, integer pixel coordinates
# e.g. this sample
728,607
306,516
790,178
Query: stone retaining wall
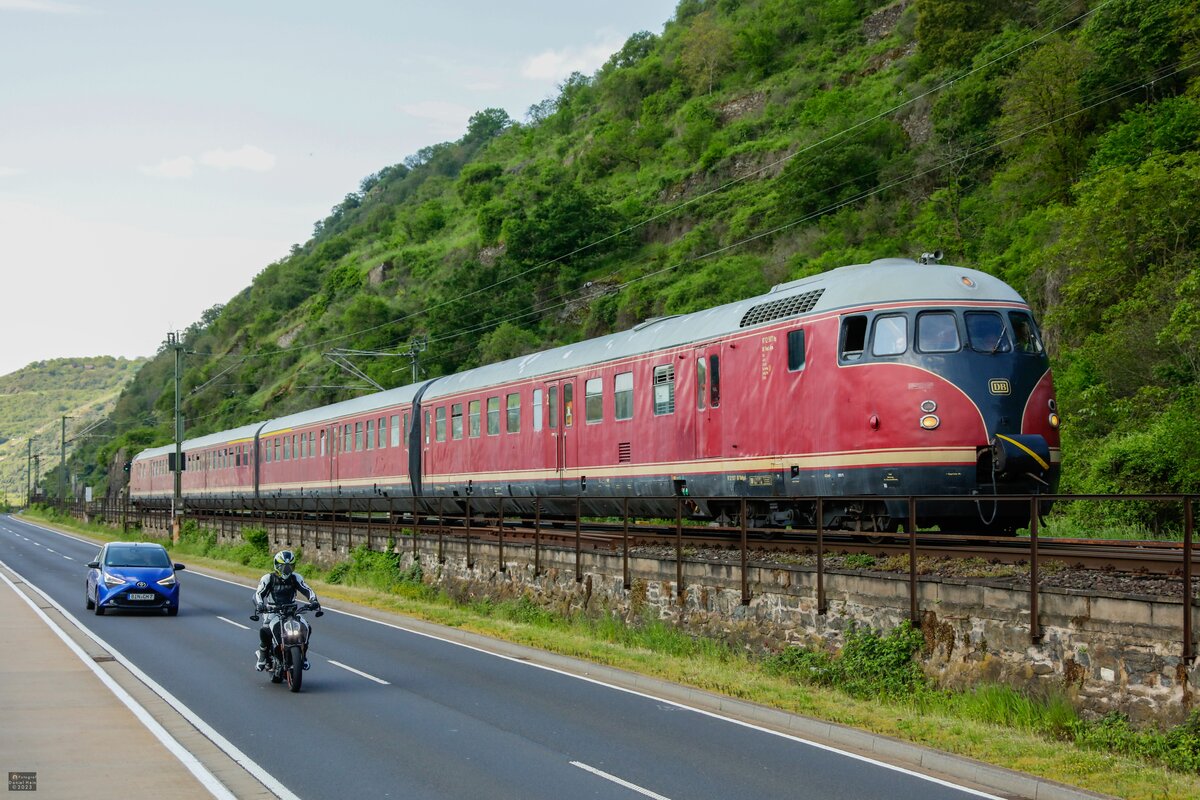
1108,652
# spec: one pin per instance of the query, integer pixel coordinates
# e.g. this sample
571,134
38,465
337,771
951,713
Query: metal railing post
1035,626
441,532
745,577
578,544
822,607
1189,648
467,530
678,546
625,545
913,612
537,536
500,534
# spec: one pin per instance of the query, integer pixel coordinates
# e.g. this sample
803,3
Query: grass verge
872,684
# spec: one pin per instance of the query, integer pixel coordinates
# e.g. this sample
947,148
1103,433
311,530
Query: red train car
862,385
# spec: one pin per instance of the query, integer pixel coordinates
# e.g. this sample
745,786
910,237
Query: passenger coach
869,382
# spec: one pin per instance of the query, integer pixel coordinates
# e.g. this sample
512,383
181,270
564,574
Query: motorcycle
289,642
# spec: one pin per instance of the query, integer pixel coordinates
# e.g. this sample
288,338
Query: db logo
999,386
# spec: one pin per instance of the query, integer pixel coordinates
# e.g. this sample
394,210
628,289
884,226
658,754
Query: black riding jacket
274,590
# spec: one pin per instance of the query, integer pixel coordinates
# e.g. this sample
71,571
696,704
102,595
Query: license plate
141,595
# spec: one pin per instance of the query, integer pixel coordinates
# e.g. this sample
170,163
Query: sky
155,155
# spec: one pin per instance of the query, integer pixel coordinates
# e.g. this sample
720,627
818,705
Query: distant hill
33,401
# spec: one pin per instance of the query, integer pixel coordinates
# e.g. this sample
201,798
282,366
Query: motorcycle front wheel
295,667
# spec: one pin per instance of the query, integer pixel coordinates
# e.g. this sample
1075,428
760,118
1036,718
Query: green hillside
33,402
1054,144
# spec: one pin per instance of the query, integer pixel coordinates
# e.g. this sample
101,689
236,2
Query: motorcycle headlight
113,580
167,581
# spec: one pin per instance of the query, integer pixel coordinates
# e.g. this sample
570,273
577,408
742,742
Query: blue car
132,575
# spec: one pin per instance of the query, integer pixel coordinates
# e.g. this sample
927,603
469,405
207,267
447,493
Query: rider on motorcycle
275,589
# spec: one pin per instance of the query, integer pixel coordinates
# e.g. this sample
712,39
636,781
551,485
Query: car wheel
99,608
88,598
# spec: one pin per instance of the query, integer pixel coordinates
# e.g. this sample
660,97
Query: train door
708,401
561,448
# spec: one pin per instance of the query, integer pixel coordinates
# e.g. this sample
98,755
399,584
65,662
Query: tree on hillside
706,50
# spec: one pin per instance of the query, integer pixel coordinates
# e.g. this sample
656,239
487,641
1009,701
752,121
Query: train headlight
928,406
930,422
1053,420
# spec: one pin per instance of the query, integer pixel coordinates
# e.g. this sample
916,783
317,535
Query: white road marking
193,765
231,622
616,780
68,558
358,672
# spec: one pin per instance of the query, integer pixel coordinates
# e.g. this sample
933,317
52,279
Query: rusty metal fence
423,518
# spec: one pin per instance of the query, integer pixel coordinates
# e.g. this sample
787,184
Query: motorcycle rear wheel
295,668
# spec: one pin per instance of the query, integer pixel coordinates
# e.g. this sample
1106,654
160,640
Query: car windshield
137,557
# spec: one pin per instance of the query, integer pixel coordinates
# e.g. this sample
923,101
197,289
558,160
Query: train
862,386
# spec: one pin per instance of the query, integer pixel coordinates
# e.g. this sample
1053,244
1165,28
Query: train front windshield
986,332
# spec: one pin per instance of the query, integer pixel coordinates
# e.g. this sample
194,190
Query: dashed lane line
631,786
359,672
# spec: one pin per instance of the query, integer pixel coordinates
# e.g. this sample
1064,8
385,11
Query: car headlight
167,581
113,580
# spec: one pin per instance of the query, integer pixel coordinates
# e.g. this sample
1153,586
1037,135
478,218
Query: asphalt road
386,712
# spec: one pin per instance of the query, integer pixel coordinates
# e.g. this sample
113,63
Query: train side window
568,404
537,410
795,350
382,433
348,438
395,430
493,416
623,396
358,436
664,390
937,332
891,335
440,429
370,434
473,419
854,338
1025,333
407,430
287,451
701,383
278,451
427,427
456,429
593,400
552,405
714,381
512,403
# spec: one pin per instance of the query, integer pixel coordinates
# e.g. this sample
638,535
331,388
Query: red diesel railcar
862,385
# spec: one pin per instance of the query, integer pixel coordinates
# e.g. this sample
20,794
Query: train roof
245,432
886,280
356,405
